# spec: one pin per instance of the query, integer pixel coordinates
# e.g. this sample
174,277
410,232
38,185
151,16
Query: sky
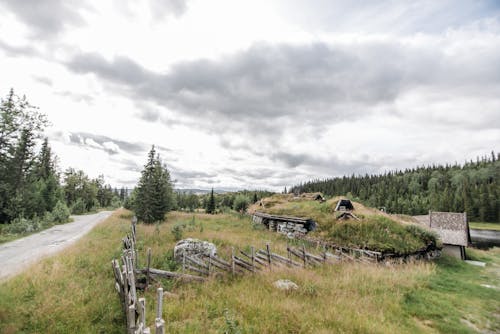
256,94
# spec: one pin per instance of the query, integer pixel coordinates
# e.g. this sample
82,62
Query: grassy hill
73,292
375,230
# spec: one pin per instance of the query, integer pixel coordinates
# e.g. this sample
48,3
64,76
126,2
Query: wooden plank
197,270
170,274
243,265
197,262
159,303
142,311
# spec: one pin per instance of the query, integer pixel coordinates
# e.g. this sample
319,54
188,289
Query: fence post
253,257
232,260
159,322
147,270
304,254
268,255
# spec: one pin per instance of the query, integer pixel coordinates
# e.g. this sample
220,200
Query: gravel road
17,255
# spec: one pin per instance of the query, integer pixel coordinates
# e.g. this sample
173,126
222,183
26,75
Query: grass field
73,292
485,226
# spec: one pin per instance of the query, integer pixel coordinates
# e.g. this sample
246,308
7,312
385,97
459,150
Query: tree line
472,187
32,190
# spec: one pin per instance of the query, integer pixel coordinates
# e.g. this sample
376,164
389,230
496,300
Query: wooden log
243,265
170,274
195,269
197,262
243,261
218,265
221,261
262,255
260,261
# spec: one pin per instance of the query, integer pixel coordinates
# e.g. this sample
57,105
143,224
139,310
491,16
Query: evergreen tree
154,195
211,203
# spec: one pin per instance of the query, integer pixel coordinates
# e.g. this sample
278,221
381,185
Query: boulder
192,246
285,284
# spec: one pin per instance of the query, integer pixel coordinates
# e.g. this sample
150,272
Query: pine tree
211,203
154,195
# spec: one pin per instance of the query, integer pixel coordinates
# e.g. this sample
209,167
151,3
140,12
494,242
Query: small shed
452,228
344,205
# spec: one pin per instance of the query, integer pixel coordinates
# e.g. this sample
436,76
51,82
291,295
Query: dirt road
17,255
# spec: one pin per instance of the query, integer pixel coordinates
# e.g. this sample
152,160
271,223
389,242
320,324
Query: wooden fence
134,308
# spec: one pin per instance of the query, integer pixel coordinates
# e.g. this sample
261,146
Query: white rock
192,246
285,284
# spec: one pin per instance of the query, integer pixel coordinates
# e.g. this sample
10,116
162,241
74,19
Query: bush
116,203
241,203
60,214
78,207
177,231
22,225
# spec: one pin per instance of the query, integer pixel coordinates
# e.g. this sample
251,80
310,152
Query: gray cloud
162,8
43,80
47,18
103,143
14,51
76,96
317,81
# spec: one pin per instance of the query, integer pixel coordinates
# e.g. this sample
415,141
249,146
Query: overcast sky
257,94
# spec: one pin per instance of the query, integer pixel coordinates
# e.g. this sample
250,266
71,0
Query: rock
285,284
193,247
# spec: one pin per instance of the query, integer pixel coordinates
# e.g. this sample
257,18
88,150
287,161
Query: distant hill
473,187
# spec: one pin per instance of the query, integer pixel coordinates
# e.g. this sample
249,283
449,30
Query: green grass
73,292
485,226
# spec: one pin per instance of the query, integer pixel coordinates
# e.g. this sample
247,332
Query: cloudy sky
257,94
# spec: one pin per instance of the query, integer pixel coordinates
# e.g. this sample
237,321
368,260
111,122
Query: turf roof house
285,224
452,228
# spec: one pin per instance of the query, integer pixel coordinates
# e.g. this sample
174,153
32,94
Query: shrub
60,214
241,203
21,225
177,231
78,207
116,203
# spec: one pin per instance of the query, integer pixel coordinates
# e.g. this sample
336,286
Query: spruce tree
154,195
211,203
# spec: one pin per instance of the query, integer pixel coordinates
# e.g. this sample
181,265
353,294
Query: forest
34,194
472,187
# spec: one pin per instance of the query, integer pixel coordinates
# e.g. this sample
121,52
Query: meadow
73,292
